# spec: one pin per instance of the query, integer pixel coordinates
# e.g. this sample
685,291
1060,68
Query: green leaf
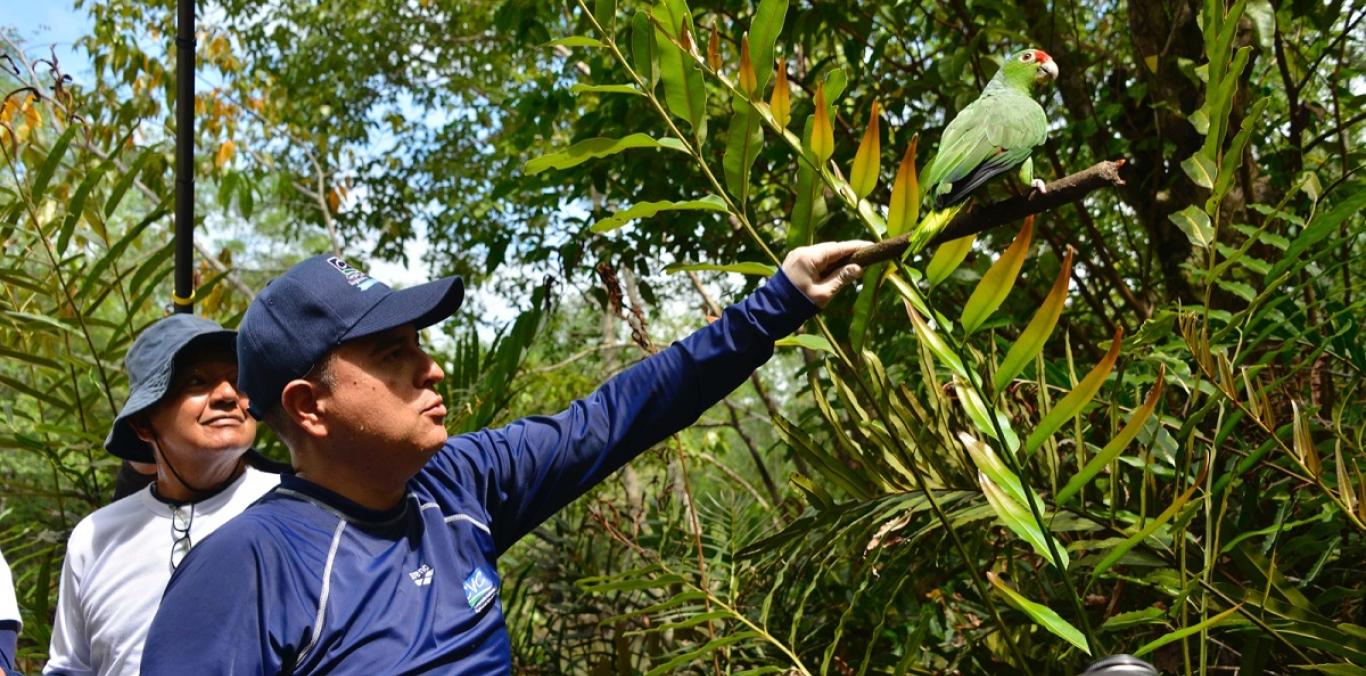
644,51
605,89
1200,168
1118,551
757,269
51,162
864,305
998,281
990,464
1081,395
647,209
76,207
1042,615
682,74
125,182
595,148
744,139
1323,225
1195,223
715,644
1032,339
1116,445
574,41
809,206
806,340
935,343
1185,631
947,257
763,33
605,13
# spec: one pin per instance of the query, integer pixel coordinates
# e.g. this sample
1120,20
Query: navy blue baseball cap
317,305
150,363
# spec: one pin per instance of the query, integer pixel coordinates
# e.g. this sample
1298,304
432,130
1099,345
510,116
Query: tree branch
973,220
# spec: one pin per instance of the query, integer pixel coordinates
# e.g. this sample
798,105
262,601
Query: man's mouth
436,410
224,421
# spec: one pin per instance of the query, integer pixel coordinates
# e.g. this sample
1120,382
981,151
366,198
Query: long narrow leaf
1020,520
648,209
1118,551
1042,615
1081,395
1031,341
947,258
998,281
594,148
904,209
1117,444
1186,631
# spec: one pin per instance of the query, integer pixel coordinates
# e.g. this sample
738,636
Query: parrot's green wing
994,134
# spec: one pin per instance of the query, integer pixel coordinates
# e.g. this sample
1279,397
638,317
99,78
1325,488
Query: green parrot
991,136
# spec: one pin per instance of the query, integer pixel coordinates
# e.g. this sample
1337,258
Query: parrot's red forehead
1041,56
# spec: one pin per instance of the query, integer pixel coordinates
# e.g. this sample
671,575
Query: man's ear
142,427
303,403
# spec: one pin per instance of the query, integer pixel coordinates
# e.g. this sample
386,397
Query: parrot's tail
930,227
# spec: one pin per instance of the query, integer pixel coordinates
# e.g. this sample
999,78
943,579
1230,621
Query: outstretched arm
526,471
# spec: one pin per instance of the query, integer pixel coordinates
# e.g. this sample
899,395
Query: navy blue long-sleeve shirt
306,581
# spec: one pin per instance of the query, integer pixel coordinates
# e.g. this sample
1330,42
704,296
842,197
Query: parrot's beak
1048,71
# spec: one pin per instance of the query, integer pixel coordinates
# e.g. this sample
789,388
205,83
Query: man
185,416
379,555
10,622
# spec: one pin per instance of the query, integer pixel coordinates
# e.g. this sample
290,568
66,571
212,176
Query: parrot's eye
1027,57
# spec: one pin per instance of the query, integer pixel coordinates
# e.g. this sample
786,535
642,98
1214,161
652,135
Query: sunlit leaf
594,148
1185,631
647,209
1112,450
1081,395
1032,339
904,210
780,103
757,269
864,172
806,340
747,79
1020,520
1116,552
947,258
574,41
1042,615
822,141
937,346
998,280
605,89
1304,442
684,93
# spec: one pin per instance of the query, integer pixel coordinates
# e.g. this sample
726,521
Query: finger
831,284
829,251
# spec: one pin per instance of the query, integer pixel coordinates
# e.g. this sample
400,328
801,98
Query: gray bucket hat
150,364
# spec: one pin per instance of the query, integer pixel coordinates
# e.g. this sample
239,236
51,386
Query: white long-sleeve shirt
118,562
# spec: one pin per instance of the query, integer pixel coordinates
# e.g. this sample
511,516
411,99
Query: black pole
184,157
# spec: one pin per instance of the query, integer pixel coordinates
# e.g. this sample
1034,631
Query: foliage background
398,131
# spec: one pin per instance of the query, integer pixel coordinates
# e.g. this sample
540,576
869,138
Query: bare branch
976,219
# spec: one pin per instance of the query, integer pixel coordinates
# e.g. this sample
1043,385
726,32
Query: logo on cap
354,277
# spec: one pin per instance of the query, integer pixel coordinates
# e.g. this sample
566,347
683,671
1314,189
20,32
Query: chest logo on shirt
422,576
480,589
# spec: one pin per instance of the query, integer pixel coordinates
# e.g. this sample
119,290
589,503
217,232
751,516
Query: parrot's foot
1039,185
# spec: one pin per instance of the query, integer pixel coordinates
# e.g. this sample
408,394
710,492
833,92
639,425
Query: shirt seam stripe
327,587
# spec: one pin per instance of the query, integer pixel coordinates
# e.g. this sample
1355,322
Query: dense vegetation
1133,424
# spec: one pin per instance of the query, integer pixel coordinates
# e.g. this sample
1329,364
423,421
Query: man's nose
225,393
431,372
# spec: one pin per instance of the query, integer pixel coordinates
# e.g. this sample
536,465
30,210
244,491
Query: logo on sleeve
422,576
481,588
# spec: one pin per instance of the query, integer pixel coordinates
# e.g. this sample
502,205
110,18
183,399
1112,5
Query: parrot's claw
1039,185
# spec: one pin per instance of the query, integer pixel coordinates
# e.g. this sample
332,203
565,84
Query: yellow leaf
947,258
714,50
1081,395
998,280
822,135
334,200
32,117
225,152
904,210
1031,340
1304,443
748,81
863,175
1349,495
780,103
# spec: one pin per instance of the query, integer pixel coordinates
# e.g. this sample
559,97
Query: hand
806,267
